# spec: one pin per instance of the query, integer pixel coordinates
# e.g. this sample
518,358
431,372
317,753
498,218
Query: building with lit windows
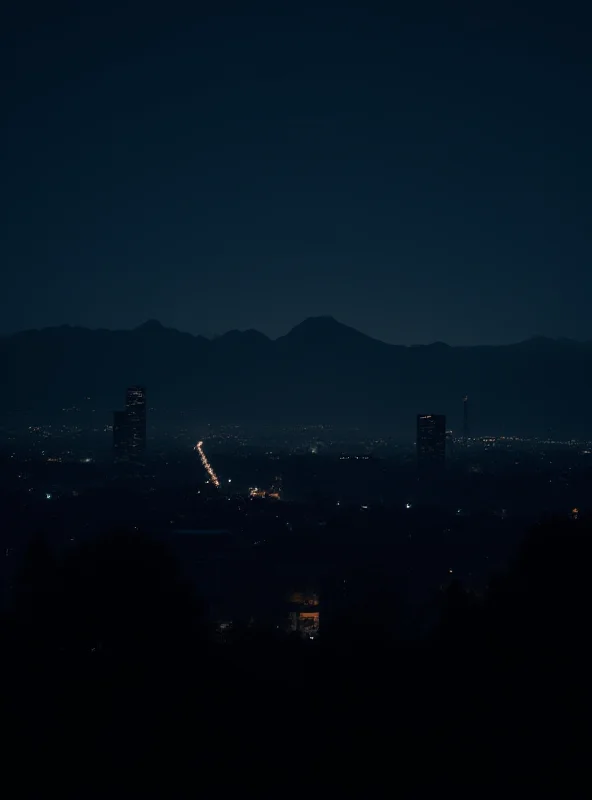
431,444
135,407
304,615
129,427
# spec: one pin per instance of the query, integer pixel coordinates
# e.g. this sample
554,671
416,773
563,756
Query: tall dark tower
431,444
135,408
466,432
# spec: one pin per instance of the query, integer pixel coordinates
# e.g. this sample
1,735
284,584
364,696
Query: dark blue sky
421,174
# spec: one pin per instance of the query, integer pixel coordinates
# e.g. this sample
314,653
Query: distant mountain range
321,371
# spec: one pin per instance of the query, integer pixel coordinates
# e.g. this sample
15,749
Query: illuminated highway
207,465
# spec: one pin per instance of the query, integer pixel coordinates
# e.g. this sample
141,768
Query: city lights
207,465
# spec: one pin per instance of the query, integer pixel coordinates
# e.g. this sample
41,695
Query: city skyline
305,376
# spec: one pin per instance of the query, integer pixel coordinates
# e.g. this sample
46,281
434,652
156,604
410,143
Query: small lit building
304,613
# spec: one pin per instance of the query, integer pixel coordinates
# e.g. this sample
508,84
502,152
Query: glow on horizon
207,465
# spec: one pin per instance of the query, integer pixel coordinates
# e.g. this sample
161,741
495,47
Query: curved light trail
207,465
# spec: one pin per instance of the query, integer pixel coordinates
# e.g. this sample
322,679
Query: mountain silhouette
325,329
321,371
151,326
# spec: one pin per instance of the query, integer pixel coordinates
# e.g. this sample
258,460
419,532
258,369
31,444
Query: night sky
421,175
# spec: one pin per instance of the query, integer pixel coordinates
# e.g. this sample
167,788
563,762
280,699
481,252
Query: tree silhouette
123,595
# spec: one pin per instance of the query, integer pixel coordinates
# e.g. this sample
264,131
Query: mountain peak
151,325
320,326
324,320
329,331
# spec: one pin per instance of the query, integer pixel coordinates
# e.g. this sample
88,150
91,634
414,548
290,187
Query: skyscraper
431,443
129,427
135,407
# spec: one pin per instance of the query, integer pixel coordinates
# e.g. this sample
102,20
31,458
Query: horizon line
155,324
